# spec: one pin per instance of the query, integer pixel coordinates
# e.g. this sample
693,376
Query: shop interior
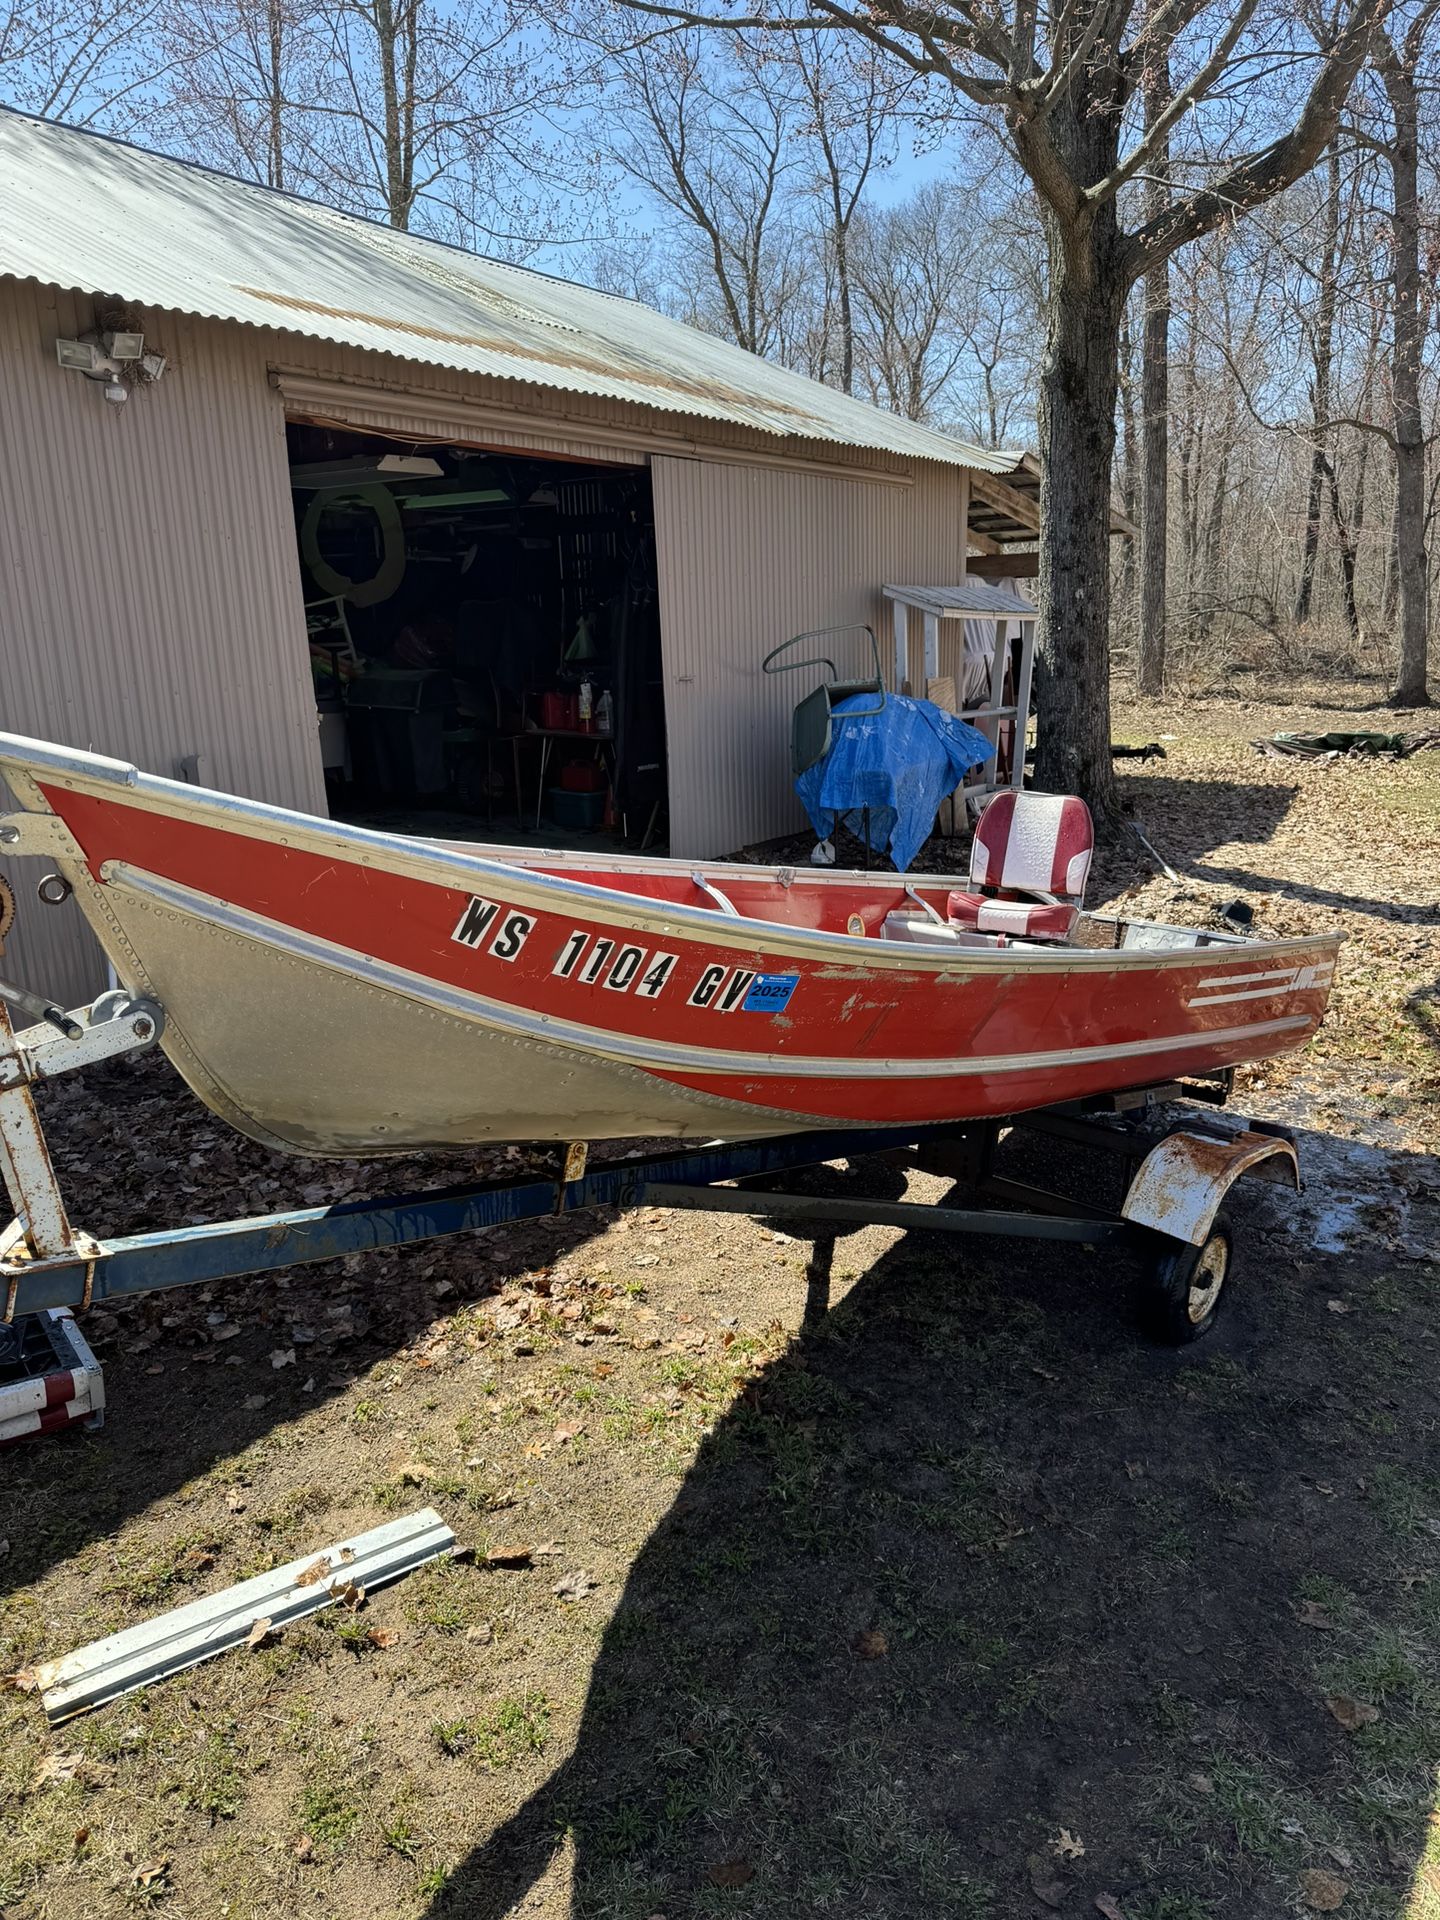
484,641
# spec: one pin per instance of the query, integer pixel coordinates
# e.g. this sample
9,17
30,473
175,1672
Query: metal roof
85,212
974,597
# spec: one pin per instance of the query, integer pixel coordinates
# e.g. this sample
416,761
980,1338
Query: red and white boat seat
1029,863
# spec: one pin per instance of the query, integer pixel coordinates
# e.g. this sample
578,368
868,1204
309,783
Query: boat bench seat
921,931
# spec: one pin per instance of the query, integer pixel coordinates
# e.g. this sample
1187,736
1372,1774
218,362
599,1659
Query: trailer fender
1181,1184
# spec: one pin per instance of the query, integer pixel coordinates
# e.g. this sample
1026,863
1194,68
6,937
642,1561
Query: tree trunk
1078,390
1129,473
1323,352
1155,484
1345,534
1411,561
275,127
1155,412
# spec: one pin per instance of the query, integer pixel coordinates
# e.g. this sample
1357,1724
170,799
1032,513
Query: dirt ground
885,1576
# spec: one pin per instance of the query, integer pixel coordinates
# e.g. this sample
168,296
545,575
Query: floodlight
154,365
80,356
125,346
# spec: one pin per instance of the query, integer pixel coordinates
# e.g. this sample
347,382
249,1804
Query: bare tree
245,68
1060,84
1398,58
1155,399
908,262
72,60
1322,349
715,147
848,112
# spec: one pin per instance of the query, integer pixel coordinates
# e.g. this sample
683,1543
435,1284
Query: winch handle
41,1009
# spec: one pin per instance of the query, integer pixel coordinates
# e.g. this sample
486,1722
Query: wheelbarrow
812,725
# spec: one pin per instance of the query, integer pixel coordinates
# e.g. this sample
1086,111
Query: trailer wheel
1185,1285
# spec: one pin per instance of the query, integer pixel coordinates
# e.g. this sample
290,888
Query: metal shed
148,552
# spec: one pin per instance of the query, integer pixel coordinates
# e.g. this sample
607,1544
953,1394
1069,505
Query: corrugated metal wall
150,599
149,579
747,558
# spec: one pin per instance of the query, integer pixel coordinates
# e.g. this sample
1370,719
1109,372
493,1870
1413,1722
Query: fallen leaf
1202,1783
259,1634
254,1401
150,1874
383,1637
1067,1845
515,1555
574,1586
282,1357
1322,1891
1109,1906
235,1500
730,1873
348,1593
871,1644
563,1434
302,1849
415,1473
316,1570
23,1680
1351,1714
1339,1306
67,1766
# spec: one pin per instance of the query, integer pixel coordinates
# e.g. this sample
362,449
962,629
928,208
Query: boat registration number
594,960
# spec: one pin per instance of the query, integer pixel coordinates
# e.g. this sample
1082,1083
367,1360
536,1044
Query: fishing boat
332,990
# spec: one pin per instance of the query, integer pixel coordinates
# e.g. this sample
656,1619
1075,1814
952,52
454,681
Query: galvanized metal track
174,1641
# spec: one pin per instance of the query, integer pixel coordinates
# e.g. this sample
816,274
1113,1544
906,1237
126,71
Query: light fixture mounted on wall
112,354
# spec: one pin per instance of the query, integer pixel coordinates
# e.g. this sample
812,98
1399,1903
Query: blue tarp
900,763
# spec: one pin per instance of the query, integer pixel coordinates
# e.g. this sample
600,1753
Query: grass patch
504,1734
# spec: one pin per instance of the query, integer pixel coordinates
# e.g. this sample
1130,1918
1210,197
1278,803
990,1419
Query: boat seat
1029,862
921,931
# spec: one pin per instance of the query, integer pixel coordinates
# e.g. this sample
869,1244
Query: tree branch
1279,165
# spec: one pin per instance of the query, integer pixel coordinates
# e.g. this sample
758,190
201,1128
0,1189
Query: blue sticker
770,992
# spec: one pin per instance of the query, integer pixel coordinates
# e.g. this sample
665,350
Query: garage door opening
484,641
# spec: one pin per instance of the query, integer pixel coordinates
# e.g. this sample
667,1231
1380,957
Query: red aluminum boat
331,990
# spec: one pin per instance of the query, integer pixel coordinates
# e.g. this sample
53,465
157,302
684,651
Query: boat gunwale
660,1057
97,775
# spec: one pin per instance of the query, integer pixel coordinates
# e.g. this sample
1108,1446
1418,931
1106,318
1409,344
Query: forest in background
820,204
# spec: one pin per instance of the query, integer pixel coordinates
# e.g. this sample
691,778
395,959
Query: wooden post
901,614
1022,702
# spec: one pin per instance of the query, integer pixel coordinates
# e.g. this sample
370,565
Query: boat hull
333,991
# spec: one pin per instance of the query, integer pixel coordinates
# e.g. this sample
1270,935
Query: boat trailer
1171,1213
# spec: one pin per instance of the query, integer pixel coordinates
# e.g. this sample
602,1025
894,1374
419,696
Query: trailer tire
1185,1286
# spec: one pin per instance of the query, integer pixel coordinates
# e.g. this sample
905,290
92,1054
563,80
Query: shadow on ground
135,1154
971,1573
